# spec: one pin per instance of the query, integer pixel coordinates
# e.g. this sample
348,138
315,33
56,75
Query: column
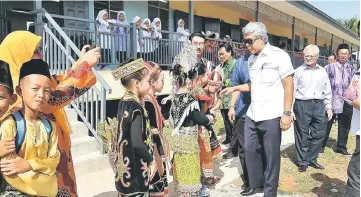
331,43
316,37
38,18
293,41
191,16
257,11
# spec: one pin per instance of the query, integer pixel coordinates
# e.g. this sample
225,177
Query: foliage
349,23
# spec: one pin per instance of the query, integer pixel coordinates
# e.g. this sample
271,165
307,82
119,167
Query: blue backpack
21,129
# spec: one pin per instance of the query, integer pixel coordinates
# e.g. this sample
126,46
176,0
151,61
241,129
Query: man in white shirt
353,171
313,96
271,87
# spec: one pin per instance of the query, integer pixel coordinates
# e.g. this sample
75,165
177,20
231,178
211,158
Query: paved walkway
101,184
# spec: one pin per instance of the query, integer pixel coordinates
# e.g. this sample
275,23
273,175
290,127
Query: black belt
311,100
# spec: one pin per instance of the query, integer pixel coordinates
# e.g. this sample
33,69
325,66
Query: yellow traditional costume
17,48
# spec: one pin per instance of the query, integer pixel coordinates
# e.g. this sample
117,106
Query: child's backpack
21,129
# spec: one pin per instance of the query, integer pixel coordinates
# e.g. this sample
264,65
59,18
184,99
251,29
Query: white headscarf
155,20
135,19
179,21
144,21
181,30
101,14
102,25
125,22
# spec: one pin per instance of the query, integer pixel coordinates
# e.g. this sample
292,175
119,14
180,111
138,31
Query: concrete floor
101,183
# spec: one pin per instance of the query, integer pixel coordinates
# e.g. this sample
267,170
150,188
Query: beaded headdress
187,58
129,69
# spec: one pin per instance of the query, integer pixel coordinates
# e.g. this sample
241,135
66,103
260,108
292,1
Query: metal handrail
58,53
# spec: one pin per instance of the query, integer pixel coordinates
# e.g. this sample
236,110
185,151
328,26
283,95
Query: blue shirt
241,76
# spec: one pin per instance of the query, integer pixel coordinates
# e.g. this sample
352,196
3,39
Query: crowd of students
35,133
149,46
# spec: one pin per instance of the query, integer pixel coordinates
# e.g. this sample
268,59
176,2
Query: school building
67,25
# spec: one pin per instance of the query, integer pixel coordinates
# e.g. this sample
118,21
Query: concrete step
84,145
90,163
79,129
71,113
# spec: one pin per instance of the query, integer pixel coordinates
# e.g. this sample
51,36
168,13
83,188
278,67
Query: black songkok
343,46
5,76
34,66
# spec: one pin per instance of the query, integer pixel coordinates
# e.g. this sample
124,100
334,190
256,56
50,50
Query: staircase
84,112
84,149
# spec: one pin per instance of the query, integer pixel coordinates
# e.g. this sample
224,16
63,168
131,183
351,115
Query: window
305,42
243,22
111,6
159,9
297,42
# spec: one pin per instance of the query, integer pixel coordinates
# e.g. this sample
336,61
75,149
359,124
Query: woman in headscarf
181,30
103,37
121,37
21,46
156,34
147,32
138,22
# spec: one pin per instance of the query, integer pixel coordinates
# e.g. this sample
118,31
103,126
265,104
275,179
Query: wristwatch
232,106
287,113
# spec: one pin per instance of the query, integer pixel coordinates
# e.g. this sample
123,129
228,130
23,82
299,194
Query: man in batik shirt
340,74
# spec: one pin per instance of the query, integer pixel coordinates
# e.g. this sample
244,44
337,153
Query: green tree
349,23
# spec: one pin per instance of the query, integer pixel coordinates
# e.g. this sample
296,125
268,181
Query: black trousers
344,124
310,129
227,124
353,172
263,154
238,132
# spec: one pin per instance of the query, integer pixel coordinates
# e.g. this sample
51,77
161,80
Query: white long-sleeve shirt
312,83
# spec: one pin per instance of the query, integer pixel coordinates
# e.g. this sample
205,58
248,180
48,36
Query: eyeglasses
38,50
249,41
200,44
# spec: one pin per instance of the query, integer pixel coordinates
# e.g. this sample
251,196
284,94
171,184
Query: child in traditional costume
131,154
19,47
213,87
185,118
159,184
7,98
31,169
206,155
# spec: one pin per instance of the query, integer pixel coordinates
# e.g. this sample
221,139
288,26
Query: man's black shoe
245,187
317,166
344,152
251,191
227,141
228,155
302,168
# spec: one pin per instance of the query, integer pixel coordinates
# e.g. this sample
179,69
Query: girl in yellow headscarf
22,46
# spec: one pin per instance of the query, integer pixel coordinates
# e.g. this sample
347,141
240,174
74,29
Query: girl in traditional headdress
212,89
103,38
206,156
159,184
121,37
138,22
185,118
131,153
